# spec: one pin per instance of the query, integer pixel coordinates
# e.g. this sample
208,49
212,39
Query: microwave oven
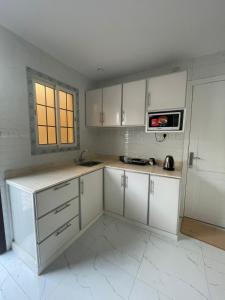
165,121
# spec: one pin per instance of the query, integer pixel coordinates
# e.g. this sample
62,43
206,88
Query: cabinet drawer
58,239
49,199
55,219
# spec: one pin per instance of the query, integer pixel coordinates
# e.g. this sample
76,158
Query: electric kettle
168,163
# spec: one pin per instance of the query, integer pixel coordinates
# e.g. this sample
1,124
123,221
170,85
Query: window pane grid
46,107
66,122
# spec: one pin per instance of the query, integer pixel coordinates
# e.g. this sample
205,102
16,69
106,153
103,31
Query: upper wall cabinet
167,91
133,113
112,99
94,108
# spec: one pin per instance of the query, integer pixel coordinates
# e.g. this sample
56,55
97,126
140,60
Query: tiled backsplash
135,142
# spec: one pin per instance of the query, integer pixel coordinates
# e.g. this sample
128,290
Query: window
53,114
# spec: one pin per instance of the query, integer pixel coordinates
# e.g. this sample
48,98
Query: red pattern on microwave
159,121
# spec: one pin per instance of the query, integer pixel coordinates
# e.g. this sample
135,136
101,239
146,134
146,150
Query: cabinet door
114,190
91,189
112,97
94,108
164,202
167,91
136,196
133,113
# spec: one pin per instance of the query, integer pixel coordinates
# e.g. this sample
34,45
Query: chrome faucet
81,156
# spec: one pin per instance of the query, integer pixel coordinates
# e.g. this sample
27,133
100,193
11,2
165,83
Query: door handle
192,157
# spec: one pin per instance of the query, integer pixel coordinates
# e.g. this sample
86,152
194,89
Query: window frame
38,77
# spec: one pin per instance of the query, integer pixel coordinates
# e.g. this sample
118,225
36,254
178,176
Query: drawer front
50,199
58,239
58,217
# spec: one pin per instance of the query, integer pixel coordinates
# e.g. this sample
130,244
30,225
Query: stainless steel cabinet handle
62,229
123,116
126,181
103,117
81,187
100,117
61,186
149,100
62,208
151,186
191,158
122,180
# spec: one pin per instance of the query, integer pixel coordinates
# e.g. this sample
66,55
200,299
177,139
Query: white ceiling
123,36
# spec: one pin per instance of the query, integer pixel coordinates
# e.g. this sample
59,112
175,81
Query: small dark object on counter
134,161
168,163
152,161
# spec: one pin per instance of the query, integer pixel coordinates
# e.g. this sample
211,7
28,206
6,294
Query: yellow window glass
42,135
51,135
70,135
63,118
40,93
70,121
41,115
63,132
51,116
62,99
50,97
69,102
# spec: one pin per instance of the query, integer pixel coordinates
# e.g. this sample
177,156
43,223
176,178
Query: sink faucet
81,157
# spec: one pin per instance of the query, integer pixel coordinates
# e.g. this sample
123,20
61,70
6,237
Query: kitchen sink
90,163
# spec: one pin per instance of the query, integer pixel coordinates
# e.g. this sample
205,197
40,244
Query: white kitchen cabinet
133,112
164,203
167,91
94,108
91,194
44,223
112,101
114,190
136,196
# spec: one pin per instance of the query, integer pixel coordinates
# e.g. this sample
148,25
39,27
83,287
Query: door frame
187,133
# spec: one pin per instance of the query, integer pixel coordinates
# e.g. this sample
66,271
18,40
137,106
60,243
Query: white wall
15,151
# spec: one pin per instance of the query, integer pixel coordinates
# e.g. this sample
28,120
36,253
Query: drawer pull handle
62,208
61,186
62,229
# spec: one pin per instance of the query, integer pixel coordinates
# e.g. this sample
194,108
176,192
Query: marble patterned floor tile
116,260
215,272
35,287
142,291
176,271
9,289
213,252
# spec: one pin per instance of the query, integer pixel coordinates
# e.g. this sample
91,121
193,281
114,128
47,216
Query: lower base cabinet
164,203
114,190
91,196
136,196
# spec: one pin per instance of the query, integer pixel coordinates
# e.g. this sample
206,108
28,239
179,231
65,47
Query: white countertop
37,181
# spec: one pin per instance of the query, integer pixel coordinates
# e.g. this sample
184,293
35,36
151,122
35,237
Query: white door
167,91
164,203
136,196
205,191
91,190
112,99
133,113
94,108
114,190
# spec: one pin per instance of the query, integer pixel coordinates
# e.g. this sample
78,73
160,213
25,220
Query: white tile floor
115,260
